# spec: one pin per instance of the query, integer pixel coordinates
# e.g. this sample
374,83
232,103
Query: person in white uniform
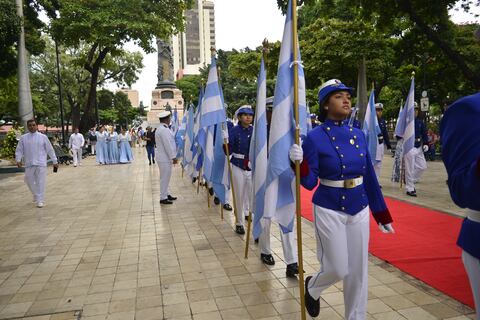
166,155
75,143
33,147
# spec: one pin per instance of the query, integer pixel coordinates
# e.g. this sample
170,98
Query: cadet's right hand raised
295,153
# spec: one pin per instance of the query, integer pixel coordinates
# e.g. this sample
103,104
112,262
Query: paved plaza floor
104,248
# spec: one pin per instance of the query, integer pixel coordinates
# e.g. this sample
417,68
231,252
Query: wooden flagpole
297,163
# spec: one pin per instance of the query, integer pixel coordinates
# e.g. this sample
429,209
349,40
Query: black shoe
166,201
210,190
292,270
171,198
412,193
256,241
246,218
153,160
267,259
216,201
239,230
312,305
194,180
149,163
227,207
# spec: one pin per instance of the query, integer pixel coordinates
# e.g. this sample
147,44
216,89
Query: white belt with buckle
238,155
348,184
473,215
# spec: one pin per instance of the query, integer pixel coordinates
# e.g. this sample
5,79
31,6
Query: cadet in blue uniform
461,156
383,140
415,163
335,157
239,144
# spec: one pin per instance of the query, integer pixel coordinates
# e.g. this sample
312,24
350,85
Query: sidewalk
104,246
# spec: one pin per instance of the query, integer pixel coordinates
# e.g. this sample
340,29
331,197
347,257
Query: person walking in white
33,147
166,155
75,144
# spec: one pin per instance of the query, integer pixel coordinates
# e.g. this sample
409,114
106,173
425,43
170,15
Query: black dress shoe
210,190
171,198
227,207
194,180
312,305
216,201
267,259
412,193
149,163
292,270
166,201
256,241
153,160
239,230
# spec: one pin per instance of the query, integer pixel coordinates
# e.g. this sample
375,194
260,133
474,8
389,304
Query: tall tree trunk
88,119
449,52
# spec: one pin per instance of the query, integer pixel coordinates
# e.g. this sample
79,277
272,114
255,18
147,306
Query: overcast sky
238,24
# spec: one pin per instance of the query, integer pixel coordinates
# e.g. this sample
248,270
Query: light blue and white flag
187,152
175,122
280,186
211,114
196,149
309,120
180,136
371,129
212,107
406,123
258,153
220,179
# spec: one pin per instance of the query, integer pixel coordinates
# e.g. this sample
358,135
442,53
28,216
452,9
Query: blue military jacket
383,137
461,156
336,151
421,137
239,144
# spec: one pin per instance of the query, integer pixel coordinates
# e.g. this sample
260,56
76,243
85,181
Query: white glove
295,153
386,228
425,148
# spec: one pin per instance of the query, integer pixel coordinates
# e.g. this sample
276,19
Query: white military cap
163,114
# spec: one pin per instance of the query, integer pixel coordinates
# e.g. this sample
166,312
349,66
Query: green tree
106,25
190,86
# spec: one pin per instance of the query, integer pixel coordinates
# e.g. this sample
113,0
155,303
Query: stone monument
166,95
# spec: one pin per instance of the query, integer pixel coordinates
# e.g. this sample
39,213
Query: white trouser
242,181
472,265
415,164
165,174
288,243
92,146
378,160
35,177
342,249
77,156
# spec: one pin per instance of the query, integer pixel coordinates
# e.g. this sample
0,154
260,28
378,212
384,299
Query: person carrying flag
415,163
383,140
288,239
335,157
239,145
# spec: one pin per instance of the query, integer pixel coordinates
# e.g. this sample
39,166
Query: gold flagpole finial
413,74
213,50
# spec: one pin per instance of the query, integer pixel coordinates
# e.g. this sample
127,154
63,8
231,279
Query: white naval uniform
165,153
415,164
33,148
243,192
288,243
377,165
76,143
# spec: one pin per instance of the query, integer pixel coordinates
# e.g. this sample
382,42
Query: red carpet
424,246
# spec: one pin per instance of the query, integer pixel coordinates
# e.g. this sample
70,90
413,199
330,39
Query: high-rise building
132,96
191,48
